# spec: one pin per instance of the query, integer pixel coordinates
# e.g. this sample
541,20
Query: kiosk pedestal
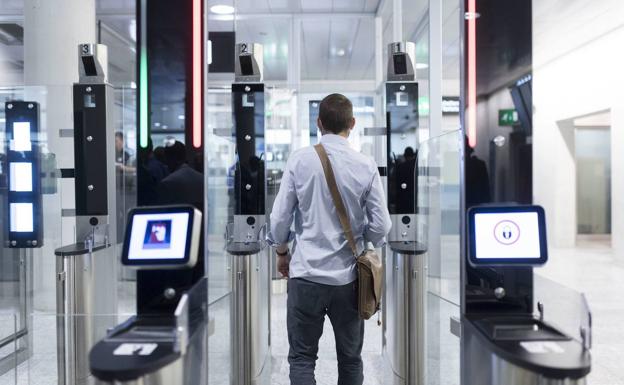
157,351
250,329
81,317
404,312
522,351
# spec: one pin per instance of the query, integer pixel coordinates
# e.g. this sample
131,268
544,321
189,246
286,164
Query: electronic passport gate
502,341
87,269
251,274
165,343
405,259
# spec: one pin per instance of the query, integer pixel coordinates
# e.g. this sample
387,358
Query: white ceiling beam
304,16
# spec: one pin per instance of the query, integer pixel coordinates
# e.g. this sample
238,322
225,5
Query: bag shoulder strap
336,197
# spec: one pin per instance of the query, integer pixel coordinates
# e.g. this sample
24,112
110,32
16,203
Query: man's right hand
283,264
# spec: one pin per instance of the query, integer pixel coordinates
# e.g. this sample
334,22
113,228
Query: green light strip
143,79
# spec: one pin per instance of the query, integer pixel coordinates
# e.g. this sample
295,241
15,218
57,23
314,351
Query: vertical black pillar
248,117
497,157
170,132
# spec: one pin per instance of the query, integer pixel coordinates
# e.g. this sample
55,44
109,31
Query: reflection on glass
477,179
21,176
21,217
21,137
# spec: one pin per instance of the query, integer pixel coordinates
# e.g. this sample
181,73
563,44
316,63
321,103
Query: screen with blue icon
159,236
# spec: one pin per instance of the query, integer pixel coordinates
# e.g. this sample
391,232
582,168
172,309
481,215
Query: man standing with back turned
322,268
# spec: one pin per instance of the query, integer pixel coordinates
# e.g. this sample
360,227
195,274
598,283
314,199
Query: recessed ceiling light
421,66
222,9
340,52
156,124
181,117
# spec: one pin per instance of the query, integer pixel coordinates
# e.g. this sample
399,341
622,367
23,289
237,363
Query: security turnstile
404,303
404,313
86,270
249,257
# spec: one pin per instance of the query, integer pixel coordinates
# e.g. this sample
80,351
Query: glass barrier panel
563,308
438,202
12,350
220,164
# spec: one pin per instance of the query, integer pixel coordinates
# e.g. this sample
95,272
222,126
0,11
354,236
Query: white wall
578,69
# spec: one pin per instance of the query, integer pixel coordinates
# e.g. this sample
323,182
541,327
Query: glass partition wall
310,51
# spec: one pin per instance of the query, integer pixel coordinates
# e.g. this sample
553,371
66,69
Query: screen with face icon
158,236
507,235
162,235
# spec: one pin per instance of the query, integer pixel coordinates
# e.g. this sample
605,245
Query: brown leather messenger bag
370,269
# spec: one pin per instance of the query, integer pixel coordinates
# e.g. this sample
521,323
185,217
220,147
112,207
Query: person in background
184,184
121,155
156,168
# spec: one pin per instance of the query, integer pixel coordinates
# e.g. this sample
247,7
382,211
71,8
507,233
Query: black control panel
249,178
402,138
90,147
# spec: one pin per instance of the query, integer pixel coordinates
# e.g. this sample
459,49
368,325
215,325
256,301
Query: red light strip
472,73
197,73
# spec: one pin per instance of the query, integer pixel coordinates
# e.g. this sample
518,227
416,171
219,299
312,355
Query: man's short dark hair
336,112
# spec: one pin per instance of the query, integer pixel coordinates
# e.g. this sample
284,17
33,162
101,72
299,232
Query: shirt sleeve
379,223
283,209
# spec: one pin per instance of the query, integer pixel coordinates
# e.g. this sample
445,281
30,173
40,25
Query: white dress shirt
321,253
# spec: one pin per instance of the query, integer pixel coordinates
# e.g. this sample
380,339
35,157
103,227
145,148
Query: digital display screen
22,219
160,236
508,235
21,137
21,176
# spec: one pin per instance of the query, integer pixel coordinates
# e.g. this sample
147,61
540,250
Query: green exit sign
507,117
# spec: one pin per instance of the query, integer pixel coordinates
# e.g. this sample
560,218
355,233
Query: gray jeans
308,303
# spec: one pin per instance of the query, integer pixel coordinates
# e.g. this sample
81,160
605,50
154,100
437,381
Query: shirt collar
333,138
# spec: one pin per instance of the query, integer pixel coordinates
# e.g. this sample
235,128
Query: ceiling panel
362,53
338,49
315,48
371,5
116,5
296,6
349,5
316,5
340,43
11,7
273,34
